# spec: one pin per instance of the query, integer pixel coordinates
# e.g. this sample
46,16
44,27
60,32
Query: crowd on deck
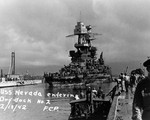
95,93
89,67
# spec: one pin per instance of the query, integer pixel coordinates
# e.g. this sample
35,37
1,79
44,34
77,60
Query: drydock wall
113,109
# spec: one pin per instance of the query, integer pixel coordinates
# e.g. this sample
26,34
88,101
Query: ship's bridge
80,28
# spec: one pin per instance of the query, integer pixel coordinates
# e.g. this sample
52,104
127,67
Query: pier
121,108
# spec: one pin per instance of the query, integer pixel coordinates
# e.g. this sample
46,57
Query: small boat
90,108
18,83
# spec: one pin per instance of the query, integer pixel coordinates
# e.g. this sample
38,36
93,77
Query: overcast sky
36,30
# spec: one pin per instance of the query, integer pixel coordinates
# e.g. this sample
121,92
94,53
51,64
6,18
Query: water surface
37,102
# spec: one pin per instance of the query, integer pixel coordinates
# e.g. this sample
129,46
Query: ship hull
17,83
76,81
55,81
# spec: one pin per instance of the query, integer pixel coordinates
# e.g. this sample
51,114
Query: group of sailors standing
124,82
95,93
141,100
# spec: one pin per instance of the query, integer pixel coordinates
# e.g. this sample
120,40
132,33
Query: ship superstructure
84,62
85,52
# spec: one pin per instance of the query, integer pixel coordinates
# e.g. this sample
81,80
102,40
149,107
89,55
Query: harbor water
38,102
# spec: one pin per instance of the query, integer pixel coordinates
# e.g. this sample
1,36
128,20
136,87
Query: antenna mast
80,16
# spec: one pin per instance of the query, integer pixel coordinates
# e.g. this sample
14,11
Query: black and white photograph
74,60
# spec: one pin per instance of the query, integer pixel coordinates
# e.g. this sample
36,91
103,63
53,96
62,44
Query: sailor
99,92
88,92
82,95
117,81
132,82
140,77
77,97
127,82
121,76
141,101
94,93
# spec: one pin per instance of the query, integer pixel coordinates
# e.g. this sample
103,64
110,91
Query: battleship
84,67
